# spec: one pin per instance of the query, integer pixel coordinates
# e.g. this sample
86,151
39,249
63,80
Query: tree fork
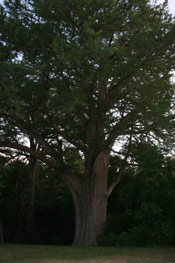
91,204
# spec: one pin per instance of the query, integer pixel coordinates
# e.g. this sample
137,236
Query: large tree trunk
90,201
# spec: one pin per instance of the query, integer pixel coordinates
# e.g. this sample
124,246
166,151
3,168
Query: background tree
33,163
82,74
140,210
3,173
21,159
54,213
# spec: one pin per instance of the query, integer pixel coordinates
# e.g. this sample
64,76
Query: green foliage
74,160
76,76
62,61
141,211
149,212
147,235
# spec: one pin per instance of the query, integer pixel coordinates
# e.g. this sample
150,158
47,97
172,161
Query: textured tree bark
90,203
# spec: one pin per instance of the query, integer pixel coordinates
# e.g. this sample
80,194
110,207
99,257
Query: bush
142,235
167,234
108,239
147,235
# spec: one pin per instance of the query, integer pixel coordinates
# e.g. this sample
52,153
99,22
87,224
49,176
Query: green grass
57,254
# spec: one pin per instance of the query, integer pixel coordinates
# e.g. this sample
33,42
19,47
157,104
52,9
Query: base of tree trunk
91,204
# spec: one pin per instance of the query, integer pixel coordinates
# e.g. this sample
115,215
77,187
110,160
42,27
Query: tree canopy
81,74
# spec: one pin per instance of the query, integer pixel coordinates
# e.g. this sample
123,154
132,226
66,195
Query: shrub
147,235
107,239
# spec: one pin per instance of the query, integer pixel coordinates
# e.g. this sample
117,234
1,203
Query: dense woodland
87,122
141,211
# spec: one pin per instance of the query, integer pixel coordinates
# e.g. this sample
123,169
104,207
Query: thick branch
70,179
24,148
43,143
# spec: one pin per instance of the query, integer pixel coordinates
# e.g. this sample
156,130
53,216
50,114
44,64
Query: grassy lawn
51,254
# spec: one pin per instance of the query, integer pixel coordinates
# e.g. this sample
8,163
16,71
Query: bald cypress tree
81,75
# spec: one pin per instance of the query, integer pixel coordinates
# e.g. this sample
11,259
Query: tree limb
24,148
